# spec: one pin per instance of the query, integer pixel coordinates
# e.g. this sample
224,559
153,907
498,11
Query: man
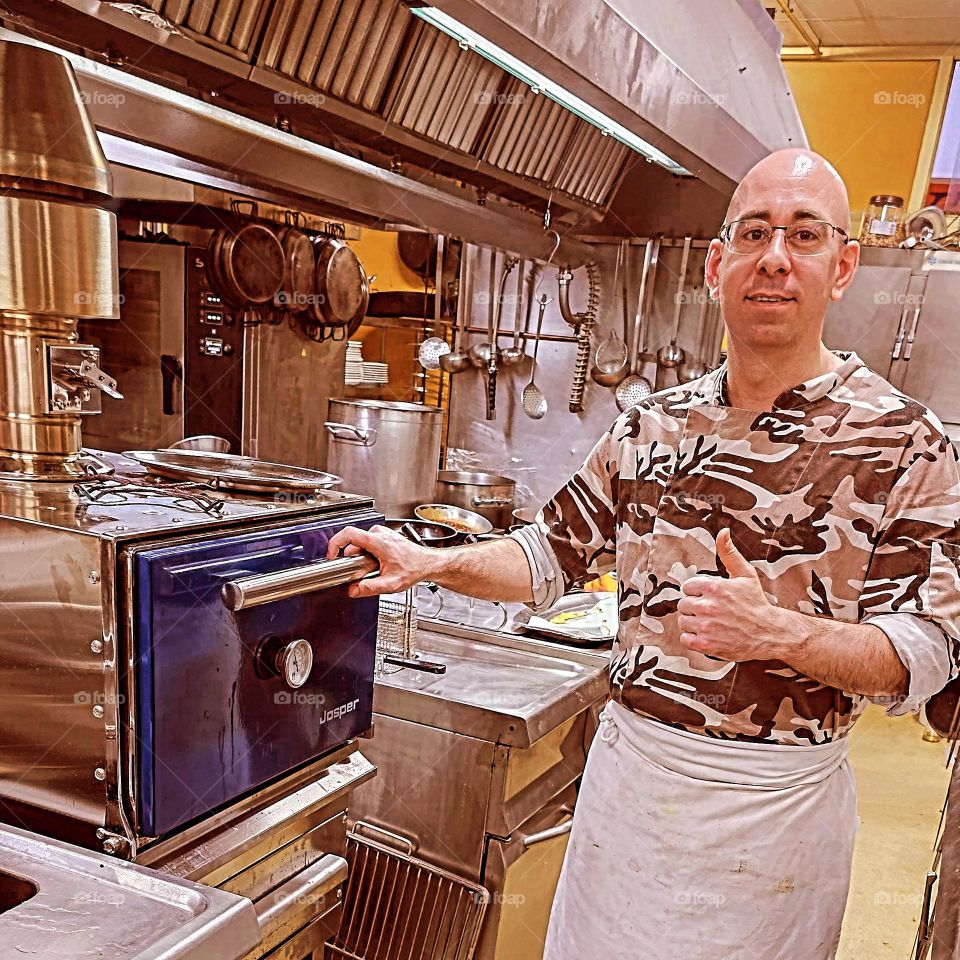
785,534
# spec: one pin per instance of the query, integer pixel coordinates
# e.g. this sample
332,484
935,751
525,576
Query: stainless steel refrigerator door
143,350
927,369
869,316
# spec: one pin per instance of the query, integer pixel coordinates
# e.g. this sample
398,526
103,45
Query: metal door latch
75,380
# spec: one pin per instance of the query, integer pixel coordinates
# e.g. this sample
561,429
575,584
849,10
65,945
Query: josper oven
167,653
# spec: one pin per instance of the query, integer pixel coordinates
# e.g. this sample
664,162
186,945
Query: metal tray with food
228,472
585,619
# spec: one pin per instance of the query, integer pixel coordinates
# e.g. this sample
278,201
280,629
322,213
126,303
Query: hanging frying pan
342,289
299,267
246,262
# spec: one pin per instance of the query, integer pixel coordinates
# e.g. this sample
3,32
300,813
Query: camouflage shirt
845,498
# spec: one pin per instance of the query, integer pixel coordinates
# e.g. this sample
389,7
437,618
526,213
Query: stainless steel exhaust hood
699,81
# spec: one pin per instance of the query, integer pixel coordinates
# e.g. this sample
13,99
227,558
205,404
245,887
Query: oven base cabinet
486,812
286,854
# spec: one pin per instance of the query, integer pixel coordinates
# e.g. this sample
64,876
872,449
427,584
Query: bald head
792,172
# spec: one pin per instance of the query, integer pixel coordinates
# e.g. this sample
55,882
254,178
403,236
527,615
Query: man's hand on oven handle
732,619
491,570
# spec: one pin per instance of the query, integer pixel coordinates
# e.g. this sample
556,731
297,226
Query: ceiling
869,23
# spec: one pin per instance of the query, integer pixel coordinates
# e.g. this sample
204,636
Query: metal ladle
693,366
513,354
456,361
480,353
612,361
671,355
635,388
533,400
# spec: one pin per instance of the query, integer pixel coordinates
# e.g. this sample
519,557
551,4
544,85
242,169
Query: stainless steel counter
478,766
59,901
500,688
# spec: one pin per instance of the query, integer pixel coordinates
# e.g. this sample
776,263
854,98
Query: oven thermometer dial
294,662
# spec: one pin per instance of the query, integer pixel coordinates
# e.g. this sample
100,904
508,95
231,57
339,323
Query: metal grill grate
400,908
396,630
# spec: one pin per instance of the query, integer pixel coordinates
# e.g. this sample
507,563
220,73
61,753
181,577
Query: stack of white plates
353,369
375,372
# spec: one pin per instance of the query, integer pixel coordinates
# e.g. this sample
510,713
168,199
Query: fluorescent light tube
469,40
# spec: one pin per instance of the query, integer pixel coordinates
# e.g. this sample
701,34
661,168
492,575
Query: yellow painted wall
868,119
377,250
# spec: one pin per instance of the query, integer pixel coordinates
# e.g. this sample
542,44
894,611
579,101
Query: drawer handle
260,588
308,886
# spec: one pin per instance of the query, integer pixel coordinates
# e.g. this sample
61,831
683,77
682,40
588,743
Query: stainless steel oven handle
263,588
309,886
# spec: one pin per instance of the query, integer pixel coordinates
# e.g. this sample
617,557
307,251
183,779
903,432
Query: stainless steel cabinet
866,320
900,316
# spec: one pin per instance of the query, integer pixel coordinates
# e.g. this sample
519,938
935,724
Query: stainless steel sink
15,890
59,901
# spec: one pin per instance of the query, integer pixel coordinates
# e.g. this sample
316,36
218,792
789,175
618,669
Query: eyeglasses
805,238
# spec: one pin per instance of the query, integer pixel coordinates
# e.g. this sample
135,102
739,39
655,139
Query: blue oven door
227,701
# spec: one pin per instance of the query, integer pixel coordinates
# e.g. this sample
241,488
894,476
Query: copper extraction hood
59,265
459,110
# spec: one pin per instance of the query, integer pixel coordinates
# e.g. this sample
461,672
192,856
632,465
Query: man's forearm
854,657
492,570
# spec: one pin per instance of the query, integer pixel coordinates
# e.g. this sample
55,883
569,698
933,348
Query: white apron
685,847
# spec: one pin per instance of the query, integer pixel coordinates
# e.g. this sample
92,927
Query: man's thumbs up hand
734,562
732,619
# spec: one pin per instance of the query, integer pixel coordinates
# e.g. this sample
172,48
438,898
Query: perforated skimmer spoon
532,399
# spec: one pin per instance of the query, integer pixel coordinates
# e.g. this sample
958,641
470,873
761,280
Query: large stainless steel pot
389,450
488,494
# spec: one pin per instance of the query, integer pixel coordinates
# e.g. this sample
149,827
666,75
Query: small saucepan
428,533
523,516
465,522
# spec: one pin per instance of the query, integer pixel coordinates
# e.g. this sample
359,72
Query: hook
556,247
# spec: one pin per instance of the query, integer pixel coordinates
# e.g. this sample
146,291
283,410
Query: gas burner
189,497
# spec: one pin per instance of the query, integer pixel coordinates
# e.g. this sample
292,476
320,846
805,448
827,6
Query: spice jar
883,222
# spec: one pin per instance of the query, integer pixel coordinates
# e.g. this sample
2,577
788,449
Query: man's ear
712,267
846,268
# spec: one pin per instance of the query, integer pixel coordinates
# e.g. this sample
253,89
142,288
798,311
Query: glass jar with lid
884,222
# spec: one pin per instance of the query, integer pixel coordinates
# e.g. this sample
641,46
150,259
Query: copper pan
246,261
297,291
342,290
